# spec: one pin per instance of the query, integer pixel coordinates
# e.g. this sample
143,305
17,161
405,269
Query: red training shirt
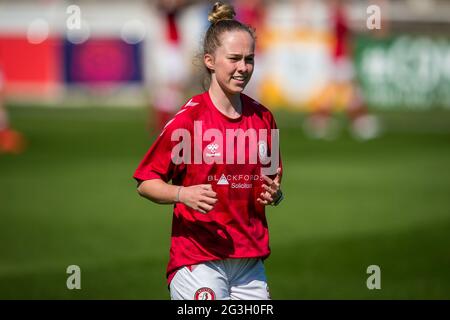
236,227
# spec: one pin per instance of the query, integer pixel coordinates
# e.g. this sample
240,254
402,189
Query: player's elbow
143,192
144,189
141,189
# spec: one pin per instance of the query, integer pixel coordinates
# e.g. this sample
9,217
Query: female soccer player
221,153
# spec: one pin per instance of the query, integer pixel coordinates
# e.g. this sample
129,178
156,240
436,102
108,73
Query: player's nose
242,66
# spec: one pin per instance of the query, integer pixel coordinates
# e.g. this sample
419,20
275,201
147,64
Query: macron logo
223,180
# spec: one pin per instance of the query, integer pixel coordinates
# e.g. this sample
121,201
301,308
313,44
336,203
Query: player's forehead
237,42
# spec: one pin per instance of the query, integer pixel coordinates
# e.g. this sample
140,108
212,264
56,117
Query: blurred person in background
344,92
219,229
170,70
11,141
253,13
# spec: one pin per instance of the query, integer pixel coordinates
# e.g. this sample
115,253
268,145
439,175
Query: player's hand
271,189
200,197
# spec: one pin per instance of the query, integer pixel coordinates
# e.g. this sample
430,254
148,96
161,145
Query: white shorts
230,279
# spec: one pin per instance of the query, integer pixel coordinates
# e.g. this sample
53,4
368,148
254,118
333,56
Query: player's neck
229,105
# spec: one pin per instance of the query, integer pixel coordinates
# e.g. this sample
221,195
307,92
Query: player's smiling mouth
239,78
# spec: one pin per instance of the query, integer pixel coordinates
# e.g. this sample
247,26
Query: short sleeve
157,162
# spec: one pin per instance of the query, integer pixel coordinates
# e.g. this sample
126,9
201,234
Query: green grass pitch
70,199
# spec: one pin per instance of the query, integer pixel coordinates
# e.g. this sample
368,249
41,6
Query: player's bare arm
199,197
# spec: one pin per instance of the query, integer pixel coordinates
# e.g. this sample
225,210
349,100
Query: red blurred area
12,142
25,64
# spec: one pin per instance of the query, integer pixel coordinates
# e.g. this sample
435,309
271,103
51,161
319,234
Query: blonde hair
221,11
222,20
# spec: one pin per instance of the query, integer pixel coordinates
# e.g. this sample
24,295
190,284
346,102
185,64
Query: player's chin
238,88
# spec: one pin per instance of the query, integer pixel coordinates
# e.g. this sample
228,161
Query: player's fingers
279,176
266,196
206,186
210,194
276,181
275,185
209,200
263,202
271,190
206,207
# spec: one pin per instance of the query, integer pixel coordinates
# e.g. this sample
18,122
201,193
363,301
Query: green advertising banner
408,72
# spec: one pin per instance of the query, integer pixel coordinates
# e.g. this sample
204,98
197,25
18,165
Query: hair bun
221,11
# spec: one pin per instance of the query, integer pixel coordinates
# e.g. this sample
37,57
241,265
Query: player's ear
209,61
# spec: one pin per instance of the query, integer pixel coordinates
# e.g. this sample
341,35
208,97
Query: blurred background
360,91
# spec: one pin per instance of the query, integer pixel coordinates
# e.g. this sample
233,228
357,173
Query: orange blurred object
12,142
